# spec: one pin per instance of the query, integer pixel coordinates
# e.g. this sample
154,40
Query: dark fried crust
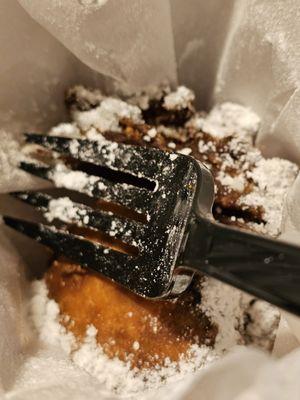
165,329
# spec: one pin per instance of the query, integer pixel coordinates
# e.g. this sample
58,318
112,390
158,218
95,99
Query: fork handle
268,269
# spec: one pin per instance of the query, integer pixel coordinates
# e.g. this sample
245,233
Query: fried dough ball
147,332
141,331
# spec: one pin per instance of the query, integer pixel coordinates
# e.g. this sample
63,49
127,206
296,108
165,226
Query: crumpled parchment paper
246,51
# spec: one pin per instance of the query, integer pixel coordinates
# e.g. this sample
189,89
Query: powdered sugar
185,151
93,134
87,98
233,182
65,130
240,318
64,210
222,304
264,319
107,115
44,314
115,375
12,178
226,119
75,180
226,307
262,183
181,98
273,177
143,98
152,133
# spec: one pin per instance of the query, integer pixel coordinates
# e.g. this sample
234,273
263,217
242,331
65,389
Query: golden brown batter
134,329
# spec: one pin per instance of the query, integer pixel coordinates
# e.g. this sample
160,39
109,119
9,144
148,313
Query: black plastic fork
173,236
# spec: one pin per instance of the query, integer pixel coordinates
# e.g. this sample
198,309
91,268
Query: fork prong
136,160
67,211
73,247
129,196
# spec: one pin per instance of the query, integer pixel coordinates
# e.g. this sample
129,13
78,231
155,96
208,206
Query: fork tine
137,160
73,247
138,199
65,210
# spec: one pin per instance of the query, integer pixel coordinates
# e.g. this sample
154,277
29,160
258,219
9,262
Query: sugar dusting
233,182
63,209
243,166
75,180
12,177
116,376
65,130
226,119
239,320
263,320
222,304
107,115
272,177
181,98
225,306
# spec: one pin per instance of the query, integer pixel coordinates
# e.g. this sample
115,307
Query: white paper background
241,50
